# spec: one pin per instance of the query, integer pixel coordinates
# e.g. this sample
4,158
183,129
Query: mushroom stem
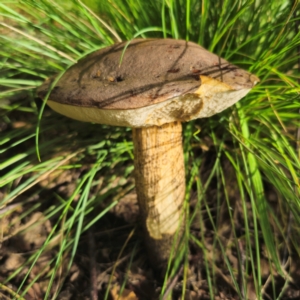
160,186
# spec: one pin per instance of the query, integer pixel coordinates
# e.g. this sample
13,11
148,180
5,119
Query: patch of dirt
111,262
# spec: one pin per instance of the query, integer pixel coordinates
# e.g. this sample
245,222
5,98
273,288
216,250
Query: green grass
256,138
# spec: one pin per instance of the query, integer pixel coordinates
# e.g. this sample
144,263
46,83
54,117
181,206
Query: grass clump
242,165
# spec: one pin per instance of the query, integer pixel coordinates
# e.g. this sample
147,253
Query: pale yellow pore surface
160,178
211,98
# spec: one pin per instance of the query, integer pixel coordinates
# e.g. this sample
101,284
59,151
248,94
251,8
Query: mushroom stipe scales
159,84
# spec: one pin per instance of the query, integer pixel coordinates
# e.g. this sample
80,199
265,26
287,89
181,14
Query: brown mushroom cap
158,81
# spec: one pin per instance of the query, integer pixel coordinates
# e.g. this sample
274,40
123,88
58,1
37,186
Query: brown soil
111,257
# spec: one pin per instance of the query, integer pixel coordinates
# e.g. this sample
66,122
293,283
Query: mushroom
158,84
